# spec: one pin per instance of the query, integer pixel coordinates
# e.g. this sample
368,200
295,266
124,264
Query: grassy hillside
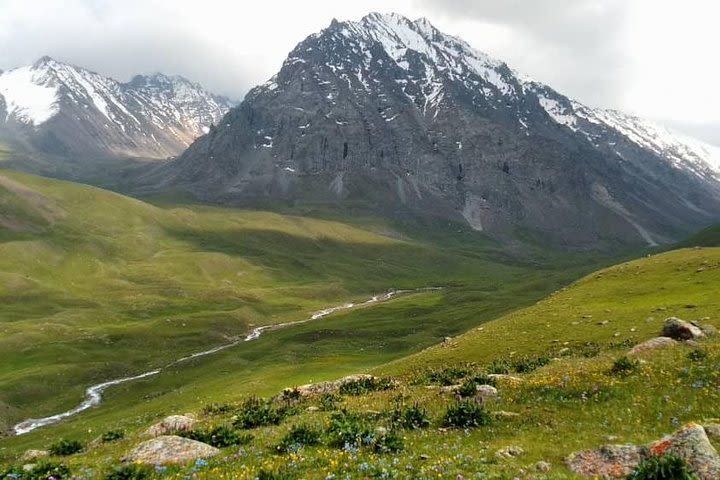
96,286
561,350
709,237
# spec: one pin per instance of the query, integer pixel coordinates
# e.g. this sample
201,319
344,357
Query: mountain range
394,116
60,110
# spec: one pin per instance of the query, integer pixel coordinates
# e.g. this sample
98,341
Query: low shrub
667,467
499,366
281,474
218,409
112,436
389,442
410,418
131,471
219,437
697,355
466,414
624,366
299,436
40,471
65,447
363,386
348,429
329,401
255,412
529,363
445,377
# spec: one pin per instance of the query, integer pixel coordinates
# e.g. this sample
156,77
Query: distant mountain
59,109
395,116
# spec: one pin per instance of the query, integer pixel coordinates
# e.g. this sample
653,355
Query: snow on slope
28,99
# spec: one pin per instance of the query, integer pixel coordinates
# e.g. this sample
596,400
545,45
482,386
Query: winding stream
93,394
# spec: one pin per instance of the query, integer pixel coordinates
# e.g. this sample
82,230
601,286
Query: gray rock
511,451
32,455
170,425
652,344
170,449
691,443
542,467
681,330
608,461
486,392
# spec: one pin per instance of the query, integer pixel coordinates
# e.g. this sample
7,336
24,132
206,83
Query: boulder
691,443
171,424
502,377
542,467
608,461
681,330
486,392
652,344
32,455
168,449
708,330
712,430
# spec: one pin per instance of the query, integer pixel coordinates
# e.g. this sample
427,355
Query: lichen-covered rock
170,425
691,443
607,462
652,344
681,330
169,449
32,455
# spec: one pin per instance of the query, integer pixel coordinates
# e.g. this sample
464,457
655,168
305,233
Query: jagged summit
66,110
397,116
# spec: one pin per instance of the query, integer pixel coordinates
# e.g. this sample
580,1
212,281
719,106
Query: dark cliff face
393,114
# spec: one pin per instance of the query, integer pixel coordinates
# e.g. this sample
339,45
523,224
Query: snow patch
26,98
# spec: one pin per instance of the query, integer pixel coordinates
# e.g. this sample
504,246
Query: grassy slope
575,396
94,286
709,237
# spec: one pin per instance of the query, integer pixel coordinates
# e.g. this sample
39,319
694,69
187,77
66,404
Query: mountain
394,116
62,110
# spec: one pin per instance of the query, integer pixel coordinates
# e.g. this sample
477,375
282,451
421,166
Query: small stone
312,409
31,455
542,467
381,431
511,451
424,457
611,438
604,322
505,415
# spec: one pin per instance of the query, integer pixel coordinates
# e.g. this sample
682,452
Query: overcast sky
655,58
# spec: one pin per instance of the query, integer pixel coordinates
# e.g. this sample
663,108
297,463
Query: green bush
291,395
466,414
299,436
363,386
329,401
529,364
410,418
131,471
255,412
668,467
499,366
217,409
389,442
275,475
65,447
348,429
697,355
624,366
445,377
40,471
112,436
219,437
